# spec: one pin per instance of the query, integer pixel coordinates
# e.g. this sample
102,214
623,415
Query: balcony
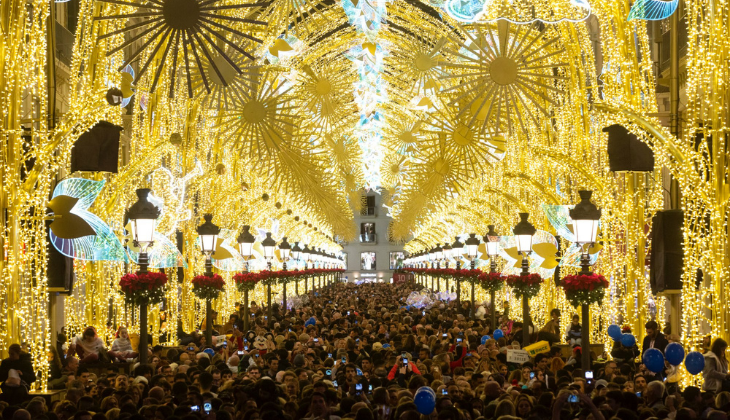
371,239
369,212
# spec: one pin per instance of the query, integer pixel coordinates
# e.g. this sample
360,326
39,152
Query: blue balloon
498,334
484,339
653,360
310,321
209,352
425,401
614,331
674,353
386,346
694,362
628,340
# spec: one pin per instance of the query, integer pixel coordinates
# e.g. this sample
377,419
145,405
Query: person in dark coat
654,339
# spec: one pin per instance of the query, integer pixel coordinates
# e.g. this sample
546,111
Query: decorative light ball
176,139
296,218
265,197
220,169
277,205
245,186
315,228
288,212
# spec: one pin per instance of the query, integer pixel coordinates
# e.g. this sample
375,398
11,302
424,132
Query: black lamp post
472,248
491,239
523,232
306,256
447,256
245,248
142,217
208,233
585,217
269,245
284,251
457,250
296,254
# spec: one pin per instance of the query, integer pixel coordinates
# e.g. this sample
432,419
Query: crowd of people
357,352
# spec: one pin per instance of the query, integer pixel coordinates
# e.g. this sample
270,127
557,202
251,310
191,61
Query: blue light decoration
559,218
652,9
367,16
520,12
104,246
162,254
466,11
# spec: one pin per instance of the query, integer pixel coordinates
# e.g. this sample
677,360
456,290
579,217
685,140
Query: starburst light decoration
186,31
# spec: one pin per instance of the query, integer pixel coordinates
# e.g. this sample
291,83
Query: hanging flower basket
206,287
470,276
581,288
492,282
528,285
246,281
269,278
143,289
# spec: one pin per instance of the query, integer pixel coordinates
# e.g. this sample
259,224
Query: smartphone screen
459,340
329,355
316,340
245,348
344,360
405,362
195,408
573,398
444,392
207,407
589,374
444,335
240,352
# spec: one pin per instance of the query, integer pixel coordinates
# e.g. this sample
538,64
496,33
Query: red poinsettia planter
208,287
143,289
584,288
528,285
491,282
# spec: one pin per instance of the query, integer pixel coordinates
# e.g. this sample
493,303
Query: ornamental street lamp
269,245
296,253
457,249
142,217
306,255
491,239
523,231
447,256
585,217
472,248
245,248
284,251
208,233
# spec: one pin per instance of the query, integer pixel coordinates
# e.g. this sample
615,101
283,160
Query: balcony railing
368,238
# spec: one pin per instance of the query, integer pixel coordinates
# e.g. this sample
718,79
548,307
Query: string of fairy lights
447,165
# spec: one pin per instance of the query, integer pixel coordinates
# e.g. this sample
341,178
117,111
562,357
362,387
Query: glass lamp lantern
472,245
491,239
142,217
523,232
269,245
296,252
245,242
284,249
208,233
585,217
457,249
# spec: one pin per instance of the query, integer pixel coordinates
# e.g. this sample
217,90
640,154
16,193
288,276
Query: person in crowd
122,346
550,332
364,355
654,339
715,372
89,347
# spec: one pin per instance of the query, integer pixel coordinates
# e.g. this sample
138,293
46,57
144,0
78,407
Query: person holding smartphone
403,366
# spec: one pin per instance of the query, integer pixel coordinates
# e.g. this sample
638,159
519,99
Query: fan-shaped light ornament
652,9
542,259
559,218
161,254
104,245
191,28
528,11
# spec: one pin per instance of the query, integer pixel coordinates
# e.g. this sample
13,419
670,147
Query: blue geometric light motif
652,9
559,218
104,246
162,254
464,10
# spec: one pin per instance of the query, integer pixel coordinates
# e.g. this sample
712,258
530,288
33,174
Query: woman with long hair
715,372
122,346
88,346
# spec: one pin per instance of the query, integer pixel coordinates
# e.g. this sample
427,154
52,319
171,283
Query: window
367,232
368,205
396,259
367,261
